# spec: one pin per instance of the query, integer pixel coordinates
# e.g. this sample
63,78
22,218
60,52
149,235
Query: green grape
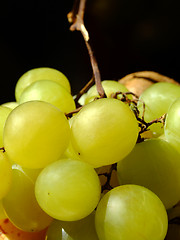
49,91
131,212
5,175
11,105
68,190
4,112
156,165
42,73
20,203
83,229
104,132
109,86
2,212
36,133
172,125
70,152
158,98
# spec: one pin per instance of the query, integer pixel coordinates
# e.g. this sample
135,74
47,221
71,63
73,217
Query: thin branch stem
107,185
84,90
77,20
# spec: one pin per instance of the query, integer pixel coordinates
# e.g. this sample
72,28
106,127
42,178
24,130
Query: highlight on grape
101,165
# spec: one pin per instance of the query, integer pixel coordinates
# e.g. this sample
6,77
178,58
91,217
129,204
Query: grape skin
4,112
37,74
5,175
51,92
83,229
20,204
172,125
157,99
110,87
156,165
104,132
36,133
131,212
68,189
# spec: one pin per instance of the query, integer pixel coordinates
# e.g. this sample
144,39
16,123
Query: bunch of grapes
88,167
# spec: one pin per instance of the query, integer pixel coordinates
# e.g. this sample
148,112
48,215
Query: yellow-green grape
154,164
157,99
83,229
104,132
42,73
20,203
2,212
70,152
51,92
5,175
4,112
11,105
110,87
68,190
172,125
131,212
36,133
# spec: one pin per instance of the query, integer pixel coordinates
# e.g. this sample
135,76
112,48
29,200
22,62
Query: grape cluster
107,170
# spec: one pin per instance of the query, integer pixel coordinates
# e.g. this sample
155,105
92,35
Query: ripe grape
172,125
110,87
157,99
70,152
156,165
42,73
4,112
5,175
20,204
104,132
83,229
35,134
131,212
68,189
51,92
2,212
11,105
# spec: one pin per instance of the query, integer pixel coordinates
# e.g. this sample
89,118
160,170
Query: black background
126,36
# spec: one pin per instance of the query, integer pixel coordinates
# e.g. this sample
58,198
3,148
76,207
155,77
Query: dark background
126,36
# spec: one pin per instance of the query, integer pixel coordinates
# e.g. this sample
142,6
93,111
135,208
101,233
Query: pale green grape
70,152
158,98
68,189
172,125
36,133
83,229
11,105
104,132
20,203
4,112
109,86
5,175
49,91
156,165
131,212
2,212
36,74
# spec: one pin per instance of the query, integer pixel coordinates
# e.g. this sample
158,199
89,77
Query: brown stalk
76,17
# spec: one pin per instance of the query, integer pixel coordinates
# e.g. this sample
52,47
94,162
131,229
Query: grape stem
70,114
84,90
107,185
76,17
